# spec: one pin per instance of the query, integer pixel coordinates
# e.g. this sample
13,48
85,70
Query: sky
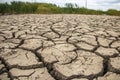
91,4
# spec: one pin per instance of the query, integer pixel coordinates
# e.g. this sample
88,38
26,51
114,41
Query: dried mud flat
59,47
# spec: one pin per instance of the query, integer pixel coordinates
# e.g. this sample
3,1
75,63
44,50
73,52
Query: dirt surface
59,47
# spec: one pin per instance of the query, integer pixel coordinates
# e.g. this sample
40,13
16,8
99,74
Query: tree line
45,8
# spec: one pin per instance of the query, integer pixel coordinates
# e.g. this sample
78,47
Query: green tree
4,8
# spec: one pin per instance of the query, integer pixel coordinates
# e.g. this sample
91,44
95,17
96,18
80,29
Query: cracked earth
59,47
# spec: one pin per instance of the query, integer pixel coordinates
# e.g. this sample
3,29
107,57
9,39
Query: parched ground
59,47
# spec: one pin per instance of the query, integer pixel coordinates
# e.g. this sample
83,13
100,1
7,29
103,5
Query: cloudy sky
92,4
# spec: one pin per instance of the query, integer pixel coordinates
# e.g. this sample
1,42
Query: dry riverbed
59,47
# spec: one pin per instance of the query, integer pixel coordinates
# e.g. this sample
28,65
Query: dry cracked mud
59,47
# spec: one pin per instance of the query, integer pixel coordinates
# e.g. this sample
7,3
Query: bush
47,8
113,12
